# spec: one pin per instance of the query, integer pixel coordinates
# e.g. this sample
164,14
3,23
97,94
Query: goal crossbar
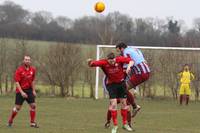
140,47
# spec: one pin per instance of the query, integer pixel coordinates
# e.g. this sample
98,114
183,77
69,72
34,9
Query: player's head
27,60
111,57
121,46
186,67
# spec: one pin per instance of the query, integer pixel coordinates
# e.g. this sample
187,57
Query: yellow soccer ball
99,7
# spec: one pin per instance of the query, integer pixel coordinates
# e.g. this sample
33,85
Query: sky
185,10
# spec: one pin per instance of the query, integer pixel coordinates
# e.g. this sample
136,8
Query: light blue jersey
135,54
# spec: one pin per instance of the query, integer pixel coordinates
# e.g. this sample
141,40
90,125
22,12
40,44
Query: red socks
114,117
124,116
12,116
14,113
32,115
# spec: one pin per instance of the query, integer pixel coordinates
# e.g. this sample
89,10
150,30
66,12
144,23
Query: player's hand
89,61
34,93
24,95
128,70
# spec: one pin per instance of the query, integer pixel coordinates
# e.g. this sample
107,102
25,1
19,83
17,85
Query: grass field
57,115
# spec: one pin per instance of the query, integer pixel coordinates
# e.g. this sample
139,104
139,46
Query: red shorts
137,79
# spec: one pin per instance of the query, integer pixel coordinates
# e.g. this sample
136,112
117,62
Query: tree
62,61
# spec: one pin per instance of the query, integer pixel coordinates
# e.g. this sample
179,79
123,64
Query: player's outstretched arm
89,62
96,63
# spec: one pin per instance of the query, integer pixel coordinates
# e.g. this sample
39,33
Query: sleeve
130,53
17,76
126,53
122,59
98,63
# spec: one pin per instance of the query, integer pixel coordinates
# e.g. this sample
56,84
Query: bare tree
62,62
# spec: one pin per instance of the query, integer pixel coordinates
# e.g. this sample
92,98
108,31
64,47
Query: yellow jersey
186,77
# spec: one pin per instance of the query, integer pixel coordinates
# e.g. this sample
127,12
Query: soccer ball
99,7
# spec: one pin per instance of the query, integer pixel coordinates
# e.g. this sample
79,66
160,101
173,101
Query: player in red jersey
130,102
113,69
25,90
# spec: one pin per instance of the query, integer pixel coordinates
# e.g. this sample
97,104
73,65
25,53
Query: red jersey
114,72
25,77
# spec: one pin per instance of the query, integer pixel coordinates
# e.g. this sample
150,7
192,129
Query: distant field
57,115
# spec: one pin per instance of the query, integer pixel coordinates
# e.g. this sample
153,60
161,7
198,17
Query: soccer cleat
9,124
114,129
107,125
34,125
127,127
129,124
135,111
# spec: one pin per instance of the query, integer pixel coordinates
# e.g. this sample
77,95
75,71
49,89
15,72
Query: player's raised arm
93,63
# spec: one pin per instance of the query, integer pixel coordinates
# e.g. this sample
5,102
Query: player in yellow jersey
185,77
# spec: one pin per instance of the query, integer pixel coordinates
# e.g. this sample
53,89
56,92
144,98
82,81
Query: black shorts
19,100
117,90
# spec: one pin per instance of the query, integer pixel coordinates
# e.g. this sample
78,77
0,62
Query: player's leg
124,114
122,94
188,93
33,115
129,114
108,117
131,100
18,104
113,105
113,110
181,94
13,114
136,79
32,106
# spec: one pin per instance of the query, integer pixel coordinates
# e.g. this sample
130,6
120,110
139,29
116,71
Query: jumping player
140,71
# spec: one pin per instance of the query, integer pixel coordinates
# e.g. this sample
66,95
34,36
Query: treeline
16,22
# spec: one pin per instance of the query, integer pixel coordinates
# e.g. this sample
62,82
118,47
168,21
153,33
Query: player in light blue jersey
140,71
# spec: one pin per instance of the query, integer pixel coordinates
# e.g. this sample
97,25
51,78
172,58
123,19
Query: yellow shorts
185,89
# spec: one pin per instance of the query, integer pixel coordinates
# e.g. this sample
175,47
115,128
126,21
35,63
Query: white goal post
140,47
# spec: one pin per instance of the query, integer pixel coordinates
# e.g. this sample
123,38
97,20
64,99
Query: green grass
57,115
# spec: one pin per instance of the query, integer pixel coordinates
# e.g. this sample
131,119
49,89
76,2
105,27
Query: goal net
165,64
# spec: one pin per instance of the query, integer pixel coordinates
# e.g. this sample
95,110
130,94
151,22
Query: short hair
27,56
121,45
111,55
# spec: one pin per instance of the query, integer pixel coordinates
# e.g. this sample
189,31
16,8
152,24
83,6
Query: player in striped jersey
140,71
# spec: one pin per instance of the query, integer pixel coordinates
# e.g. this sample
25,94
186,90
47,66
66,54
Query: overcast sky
186,10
